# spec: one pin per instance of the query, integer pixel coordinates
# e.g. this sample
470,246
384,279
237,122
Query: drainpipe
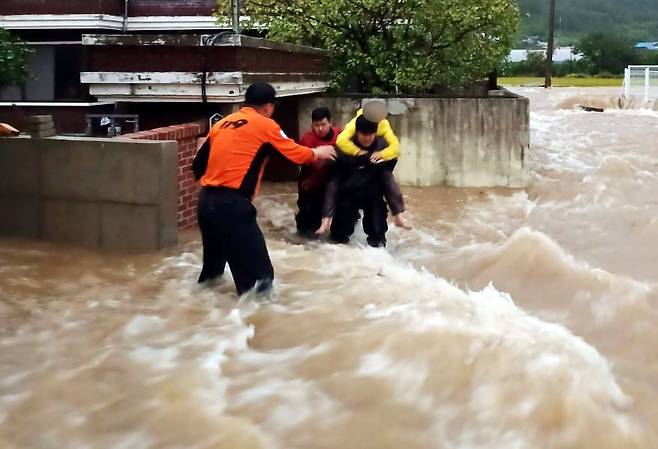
125,16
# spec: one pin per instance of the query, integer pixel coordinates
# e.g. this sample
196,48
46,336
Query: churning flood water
504,320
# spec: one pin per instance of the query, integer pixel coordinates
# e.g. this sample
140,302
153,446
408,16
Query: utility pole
551,46
235,16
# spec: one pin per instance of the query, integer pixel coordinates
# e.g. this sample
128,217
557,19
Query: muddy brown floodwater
506,319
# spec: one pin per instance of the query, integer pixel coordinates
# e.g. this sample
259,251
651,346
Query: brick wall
187,136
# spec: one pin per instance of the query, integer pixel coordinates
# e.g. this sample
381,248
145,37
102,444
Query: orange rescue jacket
240,146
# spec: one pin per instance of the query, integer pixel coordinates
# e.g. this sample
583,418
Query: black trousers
231,234
309,217
374,219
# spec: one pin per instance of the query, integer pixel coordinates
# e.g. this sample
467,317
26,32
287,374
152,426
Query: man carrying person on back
376,111
357,184
230,166
354,142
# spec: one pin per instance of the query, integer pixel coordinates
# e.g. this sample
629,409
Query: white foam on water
533,353
296,401
8,400
13,379
448,333
141,324
157,358
408,377
552,360
135,440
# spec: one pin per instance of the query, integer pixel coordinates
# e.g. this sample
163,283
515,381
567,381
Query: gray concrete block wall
130,227
463,142
20,203
168,200
19,169
70,169
72,222
186,135
20,216
131,173
118,194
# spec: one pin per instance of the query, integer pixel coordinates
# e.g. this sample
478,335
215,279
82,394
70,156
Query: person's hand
376,157
324,153
400,221
324,227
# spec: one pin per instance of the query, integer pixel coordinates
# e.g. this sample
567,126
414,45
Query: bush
571,68
13,60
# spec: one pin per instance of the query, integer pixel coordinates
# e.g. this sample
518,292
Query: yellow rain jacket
345,144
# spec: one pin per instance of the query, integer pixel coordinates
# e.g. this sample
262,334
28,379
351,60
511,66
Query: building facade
160,61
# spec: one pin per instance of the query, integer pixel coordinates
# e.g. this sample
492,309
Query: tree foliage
603,54
13,59
635,19
606,52
406,46
612,53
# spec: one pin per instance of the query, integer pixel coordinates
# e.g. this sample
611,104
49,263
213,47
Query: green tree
409,46
607,52
13,59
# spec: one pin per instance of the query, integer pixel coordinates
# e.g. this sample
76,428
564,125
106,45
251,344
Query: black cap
365,126
259,94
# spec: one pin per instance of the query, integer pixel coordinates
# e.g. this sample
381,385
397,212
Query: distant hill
636,20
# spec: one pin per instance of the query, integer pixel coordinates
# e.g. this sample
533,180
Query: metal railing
641,81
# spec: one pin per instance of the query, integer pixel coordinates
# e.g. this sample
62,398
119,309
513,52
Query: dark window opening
68,64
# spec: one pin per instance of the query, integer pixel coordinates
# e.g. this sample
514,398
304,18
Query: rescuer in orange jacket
230,166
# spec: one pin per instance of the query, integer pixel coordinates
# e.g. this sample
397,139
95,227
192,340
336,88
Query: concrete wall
463,142
117,195
186,136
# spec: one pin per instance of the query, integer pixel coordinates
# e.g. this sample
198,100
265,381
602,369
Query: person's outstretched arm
294,152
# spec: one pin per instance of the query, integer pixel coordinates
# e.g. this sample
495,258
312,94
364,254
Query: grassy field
562,82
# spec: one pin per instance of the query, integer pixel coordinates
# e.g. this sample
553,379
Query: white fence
641,81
